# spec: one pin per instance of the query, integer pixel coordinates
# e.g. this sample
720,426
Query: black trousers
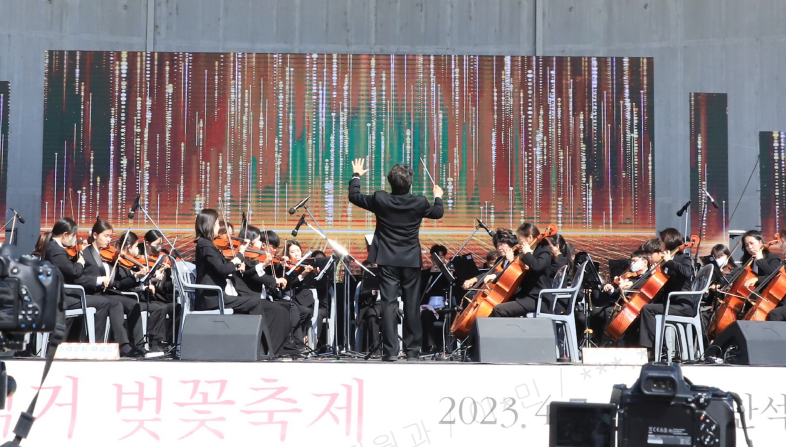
518,308
368,325
156,319
277,319
777,314
104,307
408,279
678,308
432,335
133,311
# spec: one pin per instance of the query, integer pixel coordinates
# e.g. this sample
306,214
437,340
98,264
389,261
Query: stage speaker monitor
513,340
215,337
754,343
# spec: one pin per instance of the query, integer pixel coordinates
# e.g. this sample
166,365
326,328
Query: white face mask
722,261
638,266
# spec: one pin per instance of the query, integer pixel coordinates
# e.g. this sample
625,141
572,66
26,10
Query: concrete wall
727,46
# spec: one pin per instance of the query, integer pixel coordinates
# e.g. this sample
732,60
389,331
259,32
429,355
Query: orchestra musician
298,287
433,300
764,262
720,258
63,235
539,262
679,270
395,248
127,280
779,313
504,241
369,317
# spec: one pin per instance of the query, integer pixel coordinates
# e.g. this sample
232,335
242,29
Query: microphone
21,219
299,205
134,208
683,209
482,225
299,223
714,203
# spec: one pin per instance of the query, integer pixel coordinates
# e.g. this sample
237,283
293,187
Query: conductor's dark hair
671,238
99,227
64,225
400,178
205,221
505,236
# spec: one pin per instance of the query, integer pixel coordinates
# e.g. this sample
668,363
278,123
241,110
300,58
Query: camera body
664,408
31,294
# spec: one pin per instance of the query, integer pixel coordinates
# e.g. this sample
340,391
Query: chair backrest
559,279
578,277
182,278
703,279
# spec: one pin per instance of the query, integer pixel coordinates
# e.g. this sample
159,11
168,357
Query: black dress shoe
131,351
389,359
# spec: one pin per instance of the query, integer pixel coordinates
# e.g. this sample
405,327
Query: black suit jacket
396,239
212,269
763,267
57,255
538,276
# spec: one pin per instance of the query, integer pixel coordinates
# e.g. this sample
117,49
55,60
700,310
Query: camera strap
741,411
26,419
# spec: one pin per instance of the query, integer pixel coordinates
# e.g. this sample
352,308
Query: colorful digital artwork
709,166
566,140
772,176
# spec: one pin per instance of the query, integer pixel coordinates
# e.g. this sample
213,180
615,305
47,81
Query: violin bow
222,206
119,252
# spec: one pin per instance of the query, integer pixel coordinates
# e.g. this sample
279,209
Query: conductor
396,250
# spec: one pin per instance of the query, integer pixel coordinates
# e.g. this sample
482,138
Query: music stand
591,281
464,267
449,302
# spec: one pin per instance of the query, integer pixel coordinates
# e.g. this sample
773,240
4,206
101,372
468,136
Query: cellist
536,277
779,313
679,269
504,241
765,262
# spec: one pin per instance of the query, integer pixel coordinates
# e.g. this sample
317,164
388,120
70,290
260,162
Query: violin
495,292
647,288
109,254
736,297
73,251
627,275
132,262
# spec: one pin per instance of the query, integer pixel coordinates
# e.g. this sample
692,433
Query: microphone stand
12,221
172,260
340,254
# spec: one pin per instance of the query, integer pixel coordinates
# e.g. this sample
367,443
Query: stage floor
339,402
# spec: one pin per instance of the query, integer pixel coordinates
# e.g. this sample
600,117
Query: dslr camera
661,408
31,295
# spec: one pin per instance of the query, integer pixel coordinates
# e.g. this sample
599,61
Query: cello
495,292
736,297
646,289
768,295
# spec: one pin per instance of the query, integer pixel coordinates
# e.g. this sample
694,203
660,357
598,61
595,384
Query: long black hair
205,221
99,227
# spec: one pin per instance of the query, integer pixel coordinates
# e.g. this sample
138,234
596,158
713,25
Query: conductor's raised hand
358,166
437,191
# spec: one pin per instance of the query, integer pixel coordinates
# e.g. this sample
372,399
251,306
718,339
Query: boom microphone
299,205
134,208
714,203
482,225
299,223
21,219
683,209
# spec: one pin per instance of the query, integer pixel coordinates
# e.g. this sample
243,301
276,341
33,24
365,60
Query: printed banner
341,404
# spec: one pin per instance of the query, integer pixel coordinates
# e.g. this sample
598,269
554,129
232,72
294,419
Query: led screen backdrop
5,114
772,175
709,164
563,140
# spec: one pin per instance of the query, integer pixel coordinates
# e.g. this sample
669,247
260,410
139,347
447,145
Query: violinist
536,278
679,270
40,245
64,235
161,286
212,268
504,241
87,273
298,288
433,300
127,279
369,317
253,282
